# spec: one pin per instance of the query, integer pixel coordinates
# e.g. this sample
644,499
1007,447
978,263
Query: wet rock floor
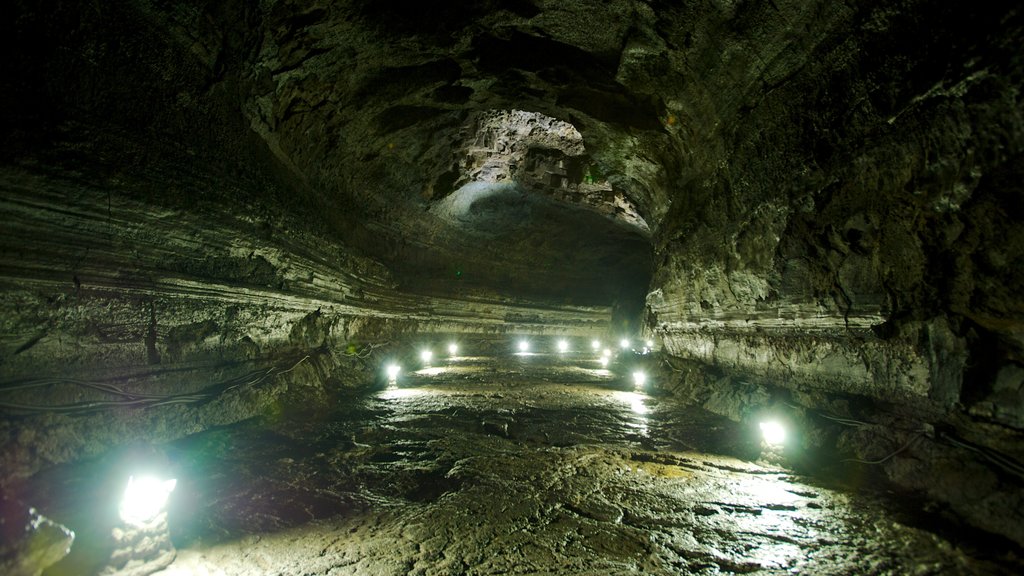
527,465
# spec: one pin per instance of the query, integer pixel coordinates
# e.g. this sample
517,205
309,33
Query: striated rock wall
199,196
847,241
162,270
95,278
843,236
166,300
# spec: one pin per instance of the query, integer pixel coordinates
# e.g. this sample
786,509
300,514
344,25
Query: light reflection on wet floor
529,465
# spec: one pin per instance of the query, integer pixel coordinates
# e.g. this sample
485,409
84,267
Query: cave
512,287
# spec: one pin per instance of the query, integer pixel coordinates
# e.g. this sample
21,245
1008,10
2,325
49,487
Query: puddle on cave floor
521,466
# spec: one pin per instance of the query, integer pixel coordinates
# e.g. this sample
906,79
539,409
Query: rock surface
31,542
530,464
813,207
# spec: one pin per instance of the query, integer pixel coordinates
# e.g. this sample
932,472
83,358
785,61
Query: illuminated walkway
524,465
529,464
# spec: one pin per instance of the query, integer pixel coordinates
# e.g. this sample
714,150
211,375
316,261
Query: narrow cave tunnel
513,286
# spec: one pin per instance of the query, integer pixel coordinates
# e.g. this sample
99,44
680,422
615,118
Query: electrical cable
852,422
672,366
133,399
889,457
365,351
1002,461
845,421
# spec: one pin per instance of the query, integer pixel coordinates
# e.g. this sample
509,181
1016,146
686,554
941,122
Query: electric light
524,346
624,343
563,346
773,432
639,378
453,349
144,499
649,343
596,344
606,353
426,355
604,361
392,371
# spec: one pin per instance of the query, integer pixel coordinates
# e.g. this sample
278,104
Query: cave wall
379,105
155,242
199,192
853,200
847,237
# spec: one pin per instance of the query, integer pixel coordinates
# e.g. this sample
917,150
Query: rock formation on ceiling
822,202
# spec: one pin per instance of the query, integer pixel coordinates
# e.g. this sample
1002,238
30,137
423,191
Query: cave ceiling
476,145
571,151
388,109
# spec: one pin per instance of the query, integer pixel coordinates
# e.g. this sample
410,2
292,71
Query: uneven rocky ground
808,204
530,464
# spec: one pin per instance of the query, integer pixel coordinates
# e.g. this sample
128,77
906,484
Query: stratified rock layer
843,246
820,200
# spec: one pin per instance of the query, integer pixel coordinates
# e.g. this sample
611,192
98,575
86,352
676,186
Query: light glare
639,378
596,344
393,370
426,355
144,499
773,432
604,361
524,346
563,346
453,349
606,353
624,343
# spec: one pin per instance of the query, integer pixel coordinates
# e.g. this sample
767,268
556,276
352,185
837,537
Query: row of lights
523,346
563,346
426,356
145,497
772,431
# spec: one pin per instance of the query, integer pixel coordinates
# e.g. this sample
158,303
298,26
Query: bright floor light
426,355
453,349
639,378
563,346
773,432
596,344
604,361
144,499
624,343
524,346
392,371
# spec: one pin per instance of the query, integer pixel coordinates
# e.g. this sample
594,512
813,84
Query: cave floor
528,465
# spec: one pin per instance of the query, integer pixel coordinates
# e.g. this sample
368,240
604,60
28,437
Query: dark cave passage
524,194
225,224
